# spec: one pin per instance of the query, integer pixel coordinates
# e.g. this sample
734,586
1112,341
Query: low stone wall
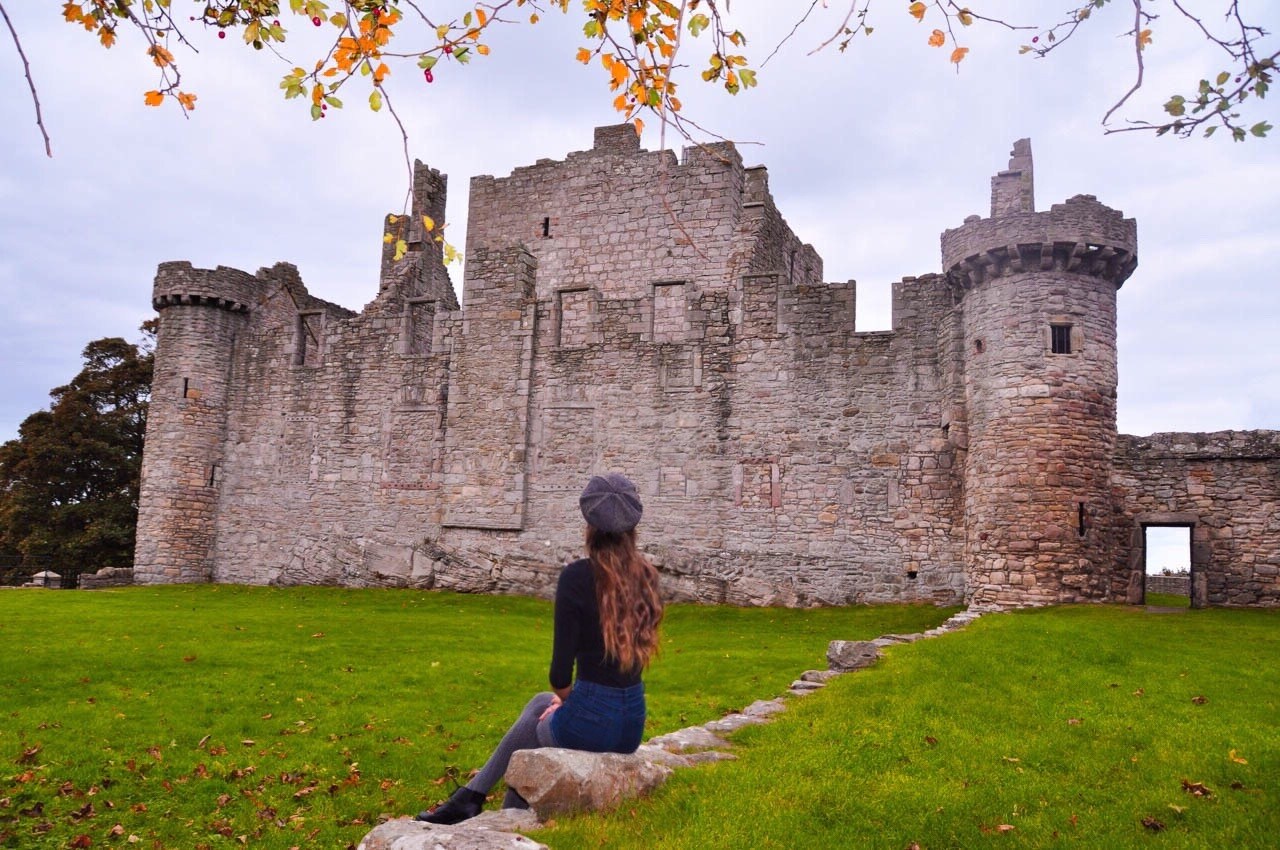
107,577
1180,585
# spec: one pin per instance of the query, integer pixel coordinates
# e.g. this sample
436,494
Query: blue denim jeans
600,719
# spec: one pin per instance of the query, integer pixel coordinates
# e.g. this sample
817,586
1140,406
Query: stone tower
1036,293
202,312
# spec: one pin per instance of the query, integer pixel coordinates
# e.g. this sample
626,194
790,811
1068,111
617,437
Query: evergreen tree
69,482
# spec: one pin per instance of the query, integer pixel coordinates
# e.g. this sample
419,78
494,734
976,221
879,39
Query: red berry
222,33
428,76
448,48
275,23
316,20
1034,39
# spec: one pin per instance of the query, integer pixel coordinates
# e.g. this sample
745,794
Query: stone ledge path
556,781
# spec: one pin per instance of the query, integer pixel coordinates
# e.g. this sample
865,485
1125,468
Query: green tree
69,482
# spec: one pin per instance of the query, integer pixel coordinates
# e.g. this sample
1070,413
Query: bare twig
1137,48
26,69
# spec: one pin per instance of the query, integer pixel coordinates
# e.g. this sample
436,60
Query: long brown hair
627,595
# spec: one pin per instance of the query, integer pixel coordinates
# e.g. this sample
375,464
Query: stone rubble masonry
627,310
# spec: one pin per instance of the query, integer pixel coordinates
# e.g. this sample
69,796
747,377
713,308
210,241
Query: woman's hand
556,702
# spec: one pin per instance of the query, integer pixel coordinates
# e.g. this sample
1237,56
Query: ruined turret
1037,293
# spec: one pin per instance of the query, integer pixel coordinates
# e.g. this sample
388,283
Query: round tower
201,313
1037,296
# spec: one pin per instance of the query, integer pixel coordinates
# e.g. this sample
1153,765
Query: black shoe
461,805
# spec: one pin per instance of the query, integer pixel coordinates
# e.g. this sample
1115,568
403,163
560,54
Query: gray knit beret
611,503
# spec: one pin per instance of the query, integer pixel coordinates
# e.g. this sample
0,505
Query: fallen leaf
318,635
930,740
1152,824
116,831
1235,758
203,741
1199,700
155,753
248,742
1139,692
1177,809
29,755
1073,721
1005,827
188,658
1237,785
1196,789
81,841
1011,759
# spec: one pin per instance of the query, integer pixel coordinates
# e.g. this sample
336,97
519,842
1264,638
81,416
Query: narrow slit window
186,388
213,474
1060,339
546,227
1080,518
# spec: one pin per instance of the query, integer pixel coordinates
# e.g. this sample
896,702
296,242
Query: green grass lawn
1066,727
213,716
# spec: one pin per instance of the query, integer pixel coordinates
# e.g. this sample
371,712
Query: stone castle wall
625,310
1225,487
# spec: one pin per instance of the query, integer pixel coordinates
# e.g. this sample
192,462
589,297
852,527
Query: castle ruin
627,311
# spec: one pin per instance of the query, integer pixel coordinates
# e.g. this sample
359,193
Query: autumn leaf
1199,700
107,37
1196,789
1235,758
957,55
917,10
159,55
428,222
584,55
1152,824
937,38
29,755
1144,38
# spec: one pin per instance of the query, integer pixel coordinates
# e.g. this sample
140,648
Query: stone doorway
1166,562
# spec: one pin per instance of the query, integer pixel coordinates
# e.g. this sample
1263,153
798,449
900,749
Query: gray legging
525,734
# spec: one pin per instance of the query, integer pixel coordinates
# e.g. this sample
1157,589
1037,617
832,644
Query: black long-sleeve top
577,633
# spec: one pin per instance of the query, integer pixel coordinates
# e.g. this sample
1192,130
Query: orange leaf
159,55
957,55
584,55
481,16
482,49
153,98
107,37
937,38
72,12
917,10
1144,38
188,102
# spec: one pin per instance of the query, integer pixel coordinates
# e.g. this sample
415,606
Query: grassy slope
194,715
1069,725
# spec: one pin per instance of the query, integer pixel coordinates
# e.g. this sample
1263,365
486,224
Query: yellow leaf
1144,38
387,237
442,31
584,55
533,19
937,38
966,17
402,248
482,49
1235,758
153,98
917,10
392,219
428,222
957,55
339,20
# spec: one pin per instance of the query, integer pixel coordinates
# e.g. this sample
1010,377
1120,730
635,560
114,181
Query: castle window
1060,339
574,318
309,336
979,346
670,312
546,227
418,324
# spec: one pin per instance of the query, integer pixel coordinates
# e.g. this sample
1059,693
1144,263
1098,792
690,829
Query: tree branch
26,69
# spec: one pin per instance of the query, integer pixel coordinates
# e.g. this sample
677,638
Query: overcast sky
871,154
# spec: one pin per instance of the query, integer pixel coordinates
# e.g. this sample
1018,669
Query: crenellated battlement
223,287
